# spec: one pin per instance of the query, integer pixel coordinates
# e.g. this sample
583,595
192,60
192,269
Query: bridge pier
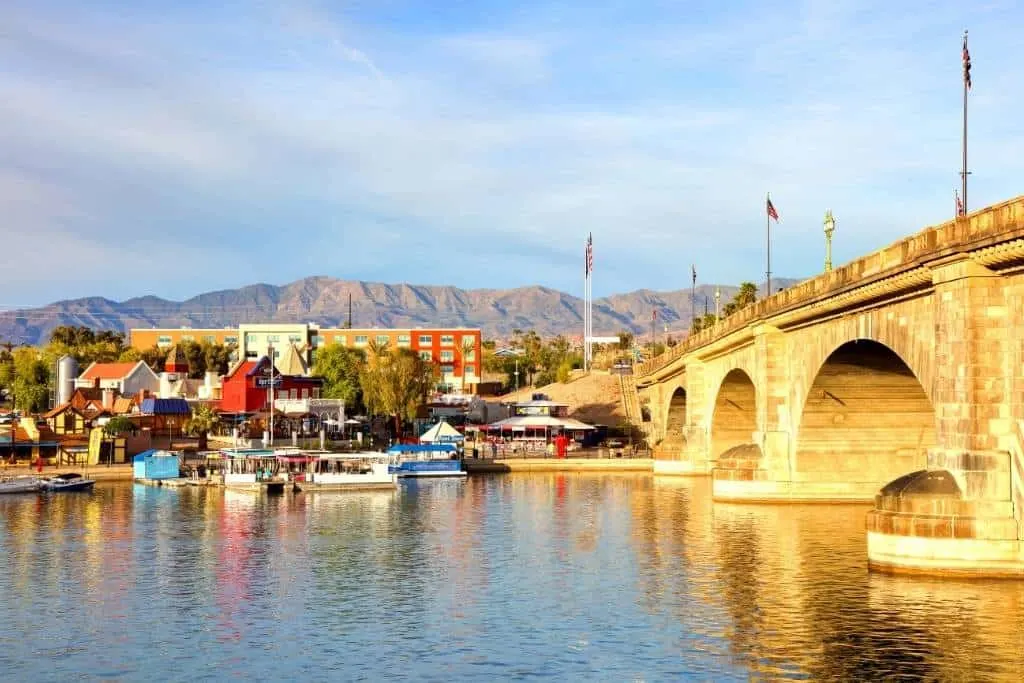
961,514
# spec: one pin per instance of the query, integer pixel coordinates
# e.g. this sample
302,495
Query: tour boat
426,460
255,469
20,484
70,481
347,472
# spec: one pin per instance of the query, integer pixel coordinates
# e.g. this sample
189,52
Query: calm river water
581,577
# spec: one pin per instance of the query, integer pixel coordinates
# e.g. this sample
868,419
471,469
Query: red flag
959,204
654,314
967,64
772,213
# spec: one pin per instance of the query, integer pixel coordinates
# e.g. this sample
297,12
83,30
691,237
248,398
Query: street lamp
830,227
516,373
718,302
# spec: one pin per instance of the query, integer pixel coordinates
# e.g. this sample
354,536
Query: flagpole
963,172
768,223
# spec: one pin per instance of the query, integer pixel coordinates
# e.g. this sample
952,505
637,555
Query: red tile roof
108,370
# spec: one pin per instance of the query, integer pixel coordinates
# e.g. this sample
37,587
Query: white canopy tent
442,432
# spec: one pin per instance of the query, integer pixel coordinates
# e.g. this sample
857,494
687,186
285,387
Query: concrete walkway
480,465
95,472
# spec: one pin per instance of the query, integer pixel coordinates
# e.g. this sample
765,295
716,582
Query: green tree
29,379
339,367
204,419
119,426
626,339
395,383
154,357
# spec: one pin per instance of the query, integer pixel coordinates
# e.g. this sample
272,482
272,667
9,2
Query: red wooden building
246,387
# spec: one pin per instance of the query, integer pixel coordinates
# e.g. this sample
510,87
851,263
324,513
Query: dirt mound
595,398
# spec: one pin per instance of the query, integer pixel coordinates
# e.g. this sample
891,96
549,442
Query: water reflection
565,575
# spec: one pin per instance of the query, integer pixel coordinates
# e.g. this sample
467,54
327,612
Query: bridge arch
734,413
866,417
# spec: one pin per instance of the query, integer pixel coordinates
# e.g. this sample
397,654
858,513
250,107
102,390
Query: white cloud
488,141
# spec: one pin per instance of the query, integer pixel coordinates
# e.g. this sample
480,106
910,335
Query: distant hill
324,300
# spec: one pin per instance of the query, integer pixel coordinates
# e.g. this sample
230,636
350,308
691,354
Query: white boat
347,472
20,484
71,481
254,469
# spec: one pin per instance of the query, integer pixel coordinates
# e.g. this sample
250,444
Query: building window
447,369
272,338
209,339
231,339
382,339
163,340
470,354
426,340
187,337
470,370
361,339
426,355
282,393
295,394
447,356
447,340
467,340
316,392
318,340
250,339
305,393
294,338
277,354
340,339
403,340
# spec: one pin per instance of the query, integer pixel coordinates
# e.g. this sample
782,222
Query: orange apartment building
456,352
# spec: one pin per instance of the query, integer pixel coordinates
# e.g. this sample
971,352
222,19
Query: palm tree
204,419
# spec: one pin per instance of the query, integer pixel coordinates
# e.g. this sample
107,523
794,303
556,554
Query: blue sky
174,148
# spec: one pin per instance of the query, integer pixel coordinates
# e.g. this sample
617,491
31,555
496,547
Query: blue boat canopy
140,457
165,406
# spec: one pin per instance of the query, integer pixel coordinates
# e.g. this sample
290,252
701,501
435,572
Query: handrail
976,231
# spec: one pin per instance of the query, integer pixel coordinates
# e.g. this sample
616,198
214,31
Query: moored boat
254,469
426,460
70,481
347,472
20,484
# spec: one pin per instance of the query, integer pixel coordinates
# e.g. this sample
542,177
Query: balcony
316,406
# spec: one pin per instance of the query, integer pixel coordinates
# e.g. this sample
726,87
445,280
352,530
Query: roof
442,432
60,409
109,370
165,406
153,452
123,405
80,399
523,422
291,362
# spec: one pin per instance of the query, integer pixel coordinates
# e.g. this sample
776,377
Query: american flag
772,213
967,64
959,203
588,261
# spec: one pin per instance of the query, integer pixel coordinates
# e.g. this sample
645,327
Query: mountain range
324,300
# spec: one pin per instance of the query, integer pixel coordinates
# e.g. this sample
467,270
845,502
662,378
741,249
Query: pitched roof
60,409
80,399
165,406
246,365
291,362
108,370
123,405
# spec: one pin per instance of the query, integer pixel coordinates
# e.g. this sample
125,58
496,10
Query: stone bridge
908,361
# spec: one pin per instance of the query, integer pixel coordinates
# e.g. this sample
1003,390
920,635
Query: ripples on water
609,577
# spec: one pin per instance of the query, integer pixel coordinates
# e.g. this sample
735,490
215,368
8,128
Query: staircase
630,400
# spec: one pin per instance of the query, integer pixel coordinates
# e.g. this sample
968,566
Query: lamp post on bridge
718,303
830,227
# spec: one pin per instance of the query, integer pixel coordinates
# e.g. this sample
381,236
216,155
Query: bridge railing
1004,220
